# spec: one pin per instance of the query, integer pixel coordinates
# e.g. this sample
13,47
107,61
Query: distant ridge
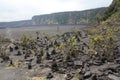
61,18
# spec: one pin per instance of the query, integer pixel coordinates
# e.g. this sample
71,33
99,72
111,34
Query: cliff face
62,18
76,17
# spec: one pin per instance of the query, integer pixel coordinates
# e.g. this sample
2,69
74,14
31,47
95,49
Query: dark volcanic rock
78,63
54,66
29,66
87,75
11,49
49,76
16,48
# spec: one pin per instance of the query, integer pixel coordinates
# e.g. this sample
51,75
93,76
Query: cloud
11,10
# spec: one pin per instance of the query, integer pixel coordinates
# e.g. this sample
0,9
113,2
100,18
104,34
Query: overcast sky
13,10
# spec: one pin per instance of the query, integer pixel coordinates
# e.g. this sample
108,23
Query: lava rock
78,63
49,76
87,75
54,66
29,66
68,77
16,48
11,49
18,53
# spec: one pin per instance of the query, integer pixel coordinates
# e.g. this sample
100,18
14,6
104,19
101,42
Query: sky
14,10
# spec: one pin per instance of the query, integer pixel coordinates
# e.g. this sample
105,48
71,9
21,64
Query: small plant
103,42
24,39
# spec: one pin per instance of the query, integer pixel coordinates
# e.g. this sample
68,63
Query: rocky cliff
62,18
